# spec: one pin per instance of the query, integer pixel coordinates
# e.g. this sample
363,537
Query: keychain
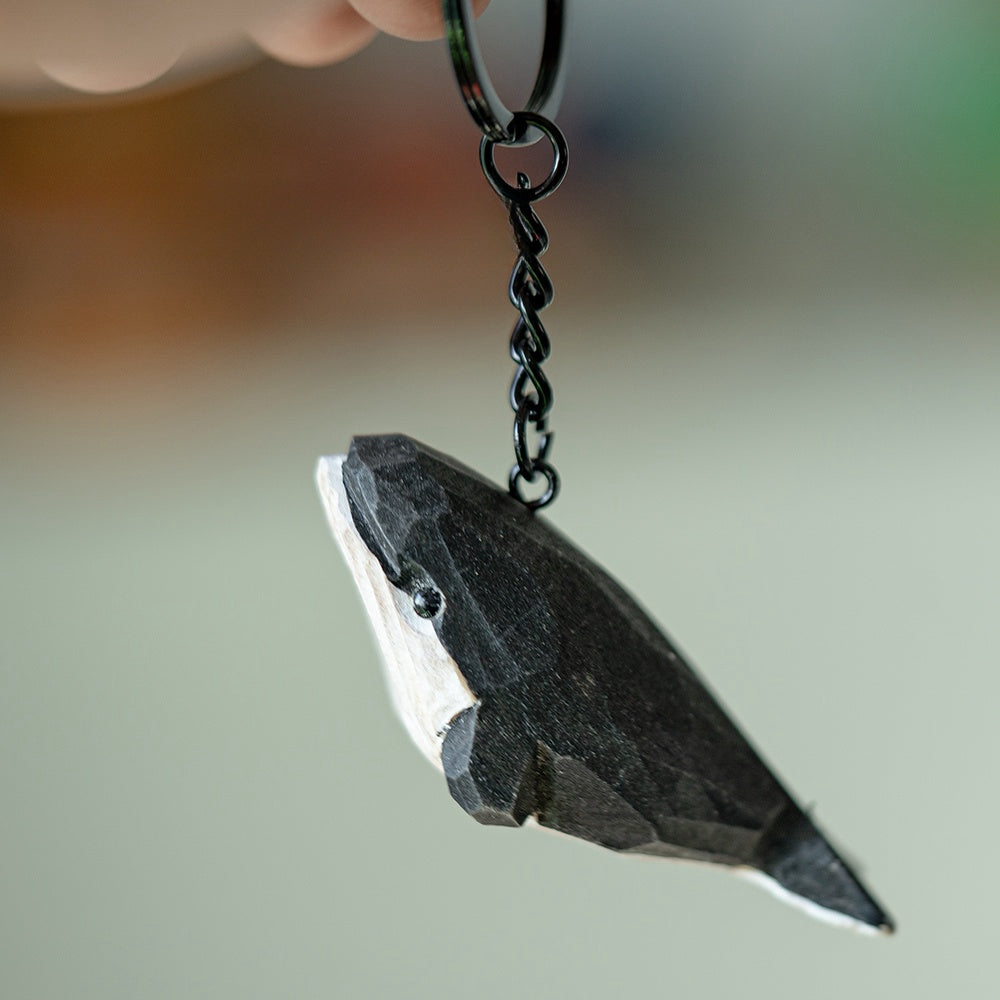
518,666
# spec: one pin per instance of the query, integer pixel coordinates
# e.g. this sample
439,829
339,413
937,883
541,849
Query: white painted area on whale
807,905
425,684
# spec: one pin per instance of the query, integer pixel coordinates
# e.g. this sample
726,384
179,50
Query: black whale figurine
541,688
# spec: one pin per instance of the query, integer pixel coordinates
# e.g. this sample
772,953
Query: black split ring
494,118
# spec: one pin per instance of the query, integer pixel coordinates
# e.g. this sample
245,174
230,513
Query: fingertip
315,36
416,20
109,72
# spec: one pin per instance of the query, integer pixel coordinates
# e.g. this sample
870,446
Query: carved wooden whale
542,689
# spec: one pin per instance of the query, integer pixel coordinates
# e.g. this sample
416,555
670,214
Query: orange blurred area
262,200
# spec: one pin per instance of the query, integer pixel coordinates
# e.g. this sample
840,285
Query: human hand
336,29
107,46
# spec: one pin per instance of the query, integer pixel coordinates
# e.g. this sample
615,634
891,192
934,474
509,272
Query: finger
97,75
414,19
315,35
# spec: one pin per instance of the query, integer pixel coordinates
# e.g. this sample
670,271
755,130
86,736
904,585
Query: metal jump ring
551,484
524,123
492,116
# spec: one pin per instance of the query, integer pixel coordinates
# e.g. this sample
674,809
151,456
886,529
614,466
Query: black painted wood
588,718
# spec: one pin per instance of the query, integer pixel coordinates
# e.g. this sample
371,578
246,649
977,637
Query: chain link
530,291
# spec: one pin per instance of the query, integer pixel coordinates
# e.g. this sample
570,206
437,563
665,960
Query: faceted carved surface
586,716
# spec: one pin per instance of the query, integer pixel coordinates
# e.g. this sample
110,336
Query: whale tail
800,865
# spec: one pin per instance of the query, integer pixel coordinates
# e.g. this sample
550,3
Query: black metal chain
530,292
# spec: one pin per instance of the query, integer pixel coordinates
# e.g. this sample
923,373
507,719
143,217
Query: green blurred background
776,370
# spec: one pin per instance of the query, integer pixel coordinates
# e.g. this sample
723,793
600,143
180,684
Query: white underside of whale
834,917
425,684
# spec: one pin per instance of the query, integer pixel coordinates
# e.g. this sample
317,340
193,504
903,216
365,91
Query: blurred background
777,388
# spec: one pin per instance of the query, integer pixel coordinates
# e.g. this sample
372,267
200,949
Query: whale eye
427,602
